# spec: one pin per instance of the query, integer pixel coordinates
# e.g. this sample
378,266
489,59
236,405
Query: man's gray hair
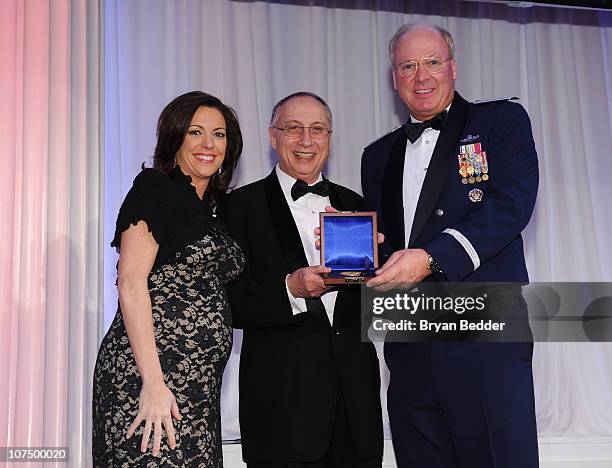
406,28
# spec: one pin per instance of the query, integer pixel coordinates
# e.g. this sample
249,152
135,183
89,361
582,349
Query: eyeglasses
432,64
294,131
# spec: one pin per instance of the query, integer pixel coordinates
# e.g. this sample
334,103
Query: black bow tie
301,188
415,129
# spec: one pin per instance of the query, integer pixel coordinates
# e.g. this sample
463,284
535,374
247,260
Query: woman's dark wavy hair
172,128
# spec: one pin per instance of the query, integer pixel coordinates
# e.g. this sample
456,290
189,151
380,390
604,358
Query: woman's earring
219,170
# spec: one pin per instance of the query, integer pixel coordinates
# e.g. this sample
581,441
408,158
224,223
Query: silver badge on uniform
475,195
469,138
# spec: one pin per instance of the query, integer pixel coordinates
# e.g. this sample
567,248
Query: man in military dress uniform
453,188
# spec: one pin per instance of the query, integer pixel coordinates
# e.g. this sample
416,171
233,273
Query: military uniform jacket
473,230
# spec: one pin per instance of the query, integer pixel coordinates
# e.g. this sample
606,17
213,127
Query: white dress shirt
305,212
416,161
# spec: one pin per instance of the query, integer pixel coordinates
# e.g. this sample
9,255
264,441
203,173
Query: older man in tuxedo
309,388
453,188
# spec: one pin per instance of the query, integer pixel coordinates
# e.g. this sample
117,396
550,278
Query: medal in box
348,246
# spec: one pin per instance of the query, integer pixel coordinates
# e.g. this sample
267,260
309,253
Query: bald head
279,104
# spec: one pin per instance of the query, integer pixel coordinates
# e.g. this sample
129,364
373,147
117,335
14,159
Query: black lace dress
193,329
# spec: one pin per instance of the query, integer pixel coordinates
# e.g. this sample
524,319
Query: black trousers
342,452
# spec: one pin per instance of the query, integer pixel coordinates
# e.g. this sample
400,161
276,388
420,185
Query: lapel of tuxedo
284,224
289,237
437,171
335,198
392,206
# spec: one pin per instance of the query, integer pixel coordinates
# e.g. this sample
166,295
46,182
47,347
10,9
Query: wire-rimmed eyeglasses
409,68
294,131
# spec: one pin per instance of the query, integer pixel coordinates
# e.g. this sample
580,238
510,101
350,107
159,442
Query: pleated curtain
51,226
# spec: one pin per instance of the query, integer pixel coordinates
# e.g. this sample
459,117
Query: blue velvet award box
348,246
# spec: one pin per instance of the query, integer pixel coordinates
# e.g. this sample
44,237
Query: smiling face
426,94
203,148
301,157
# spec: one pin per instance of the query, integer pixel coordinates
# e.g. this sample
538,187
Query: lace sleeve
145,201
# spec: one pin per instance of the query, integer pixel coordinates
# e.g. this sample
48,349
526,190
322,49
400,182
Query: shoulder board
382,136
496,99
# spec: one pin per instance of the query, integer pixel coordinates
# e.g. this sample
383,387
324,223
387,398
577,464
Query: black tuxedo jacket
292,367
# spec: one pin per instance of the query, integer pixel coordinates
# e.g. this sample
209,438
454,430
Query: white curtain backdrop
250,54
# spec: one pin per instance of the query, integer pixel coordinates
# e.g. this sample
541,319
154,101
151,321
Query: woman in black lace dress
157,380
